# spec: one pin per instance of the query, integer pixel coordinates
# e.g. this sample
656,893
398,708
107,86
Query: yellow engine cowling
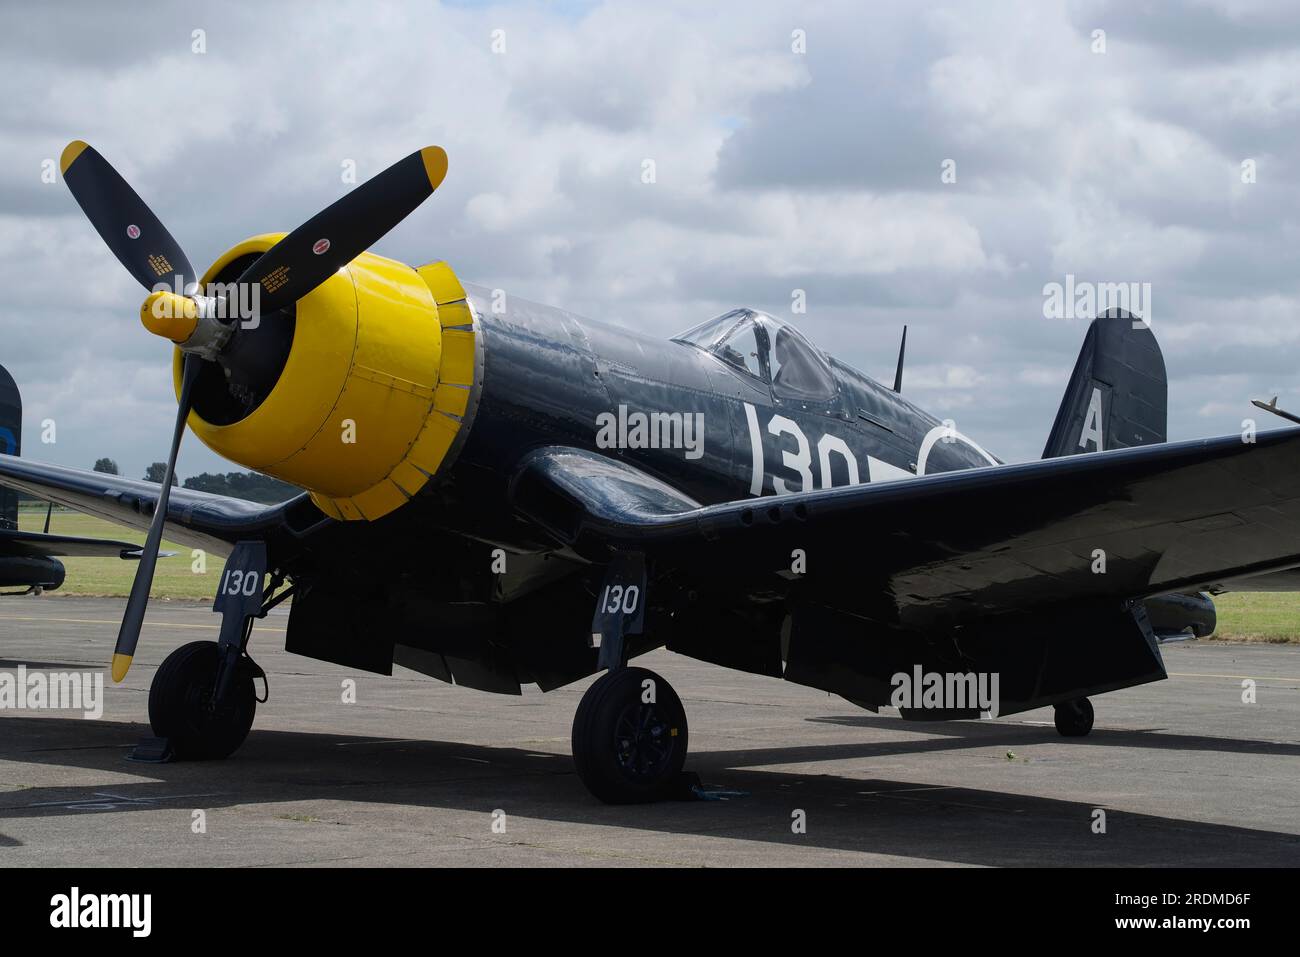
374,391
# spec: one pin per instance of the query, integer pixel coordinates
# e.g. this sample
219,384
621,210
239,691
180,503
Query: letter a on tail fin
1117,395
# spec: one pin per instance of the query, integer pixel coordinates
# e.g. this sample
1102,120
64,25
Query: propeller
286,272
129,634
128,227
336,235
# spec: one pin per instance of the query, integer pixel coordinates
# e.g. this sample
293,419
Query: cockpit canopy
768,349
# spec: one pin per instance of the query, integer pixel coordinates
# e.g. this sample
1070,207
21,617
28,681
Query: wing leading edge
196,519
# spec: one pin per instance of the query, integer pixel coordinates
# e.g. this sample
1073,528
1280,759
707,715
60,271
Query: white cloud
775,170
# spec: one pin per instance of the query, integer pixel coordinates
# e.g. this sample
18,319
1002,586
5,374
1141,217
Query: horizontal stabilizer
44,545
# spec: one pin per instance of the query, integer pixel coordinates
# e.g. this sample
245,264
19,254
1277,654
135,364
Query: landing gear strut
1074,718
630,737
202,700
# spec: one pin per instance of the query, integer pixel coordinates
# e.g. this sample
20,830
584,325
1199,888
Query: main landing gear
184,707
1074,718
203,699
630,737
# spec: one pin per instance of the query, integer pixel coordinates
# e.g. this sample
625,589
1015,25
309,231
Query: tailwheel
1074,718
630,737
182,709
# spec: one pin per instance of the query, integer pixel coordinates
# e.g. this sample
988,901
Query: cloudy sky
796,146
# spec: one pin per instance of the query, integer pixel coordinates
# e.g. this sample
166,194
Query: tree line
251,486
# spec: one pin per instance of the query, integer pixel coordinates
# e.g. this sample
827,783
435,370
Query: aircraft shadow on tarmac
8,664
880,815
966,734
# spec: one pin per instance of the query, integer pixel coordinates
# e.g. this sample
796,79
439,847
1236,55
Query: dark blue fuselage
683,413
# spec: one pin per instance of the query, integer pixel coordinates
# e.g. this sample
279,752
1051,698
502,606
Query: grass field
174,577
1263,616
1242,617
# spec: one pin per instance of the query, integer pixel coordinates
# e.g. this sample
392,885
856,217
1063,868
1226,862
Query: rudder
1117,396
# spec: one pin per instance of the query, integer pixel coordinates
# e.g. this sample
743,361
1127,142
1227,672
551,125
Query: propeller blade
129,634
339,233
130,229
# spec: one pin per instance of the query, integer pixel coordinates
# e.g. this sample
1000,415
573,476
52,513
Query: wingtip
70,154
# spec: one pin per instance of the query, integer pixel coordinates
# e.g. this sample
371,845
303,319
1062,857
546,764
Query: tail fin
1117,397
11,432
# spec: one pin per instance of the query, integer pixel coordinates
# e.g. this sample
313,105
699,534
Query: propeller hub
193,324
170,316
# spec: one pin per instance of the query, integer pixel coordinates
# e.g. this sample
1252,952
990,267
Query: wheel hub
644,740
202,707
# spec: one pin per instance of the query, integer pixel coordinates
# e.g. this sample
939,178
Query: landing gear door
620,608
239,593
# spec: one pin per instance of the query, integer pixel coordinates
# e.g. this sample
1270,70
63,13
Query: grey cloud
775,171
1195,31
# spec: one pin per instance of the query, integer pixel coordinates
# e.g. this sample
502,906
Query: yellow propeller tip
435,164
70,154
121,665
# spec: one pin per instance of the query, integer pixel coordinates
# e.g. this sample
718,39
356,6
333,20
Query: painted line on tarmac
1198,674
114,621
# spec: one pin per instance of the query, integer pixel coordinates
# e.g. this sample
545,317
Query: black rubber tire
1074,718
629,770
178,708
